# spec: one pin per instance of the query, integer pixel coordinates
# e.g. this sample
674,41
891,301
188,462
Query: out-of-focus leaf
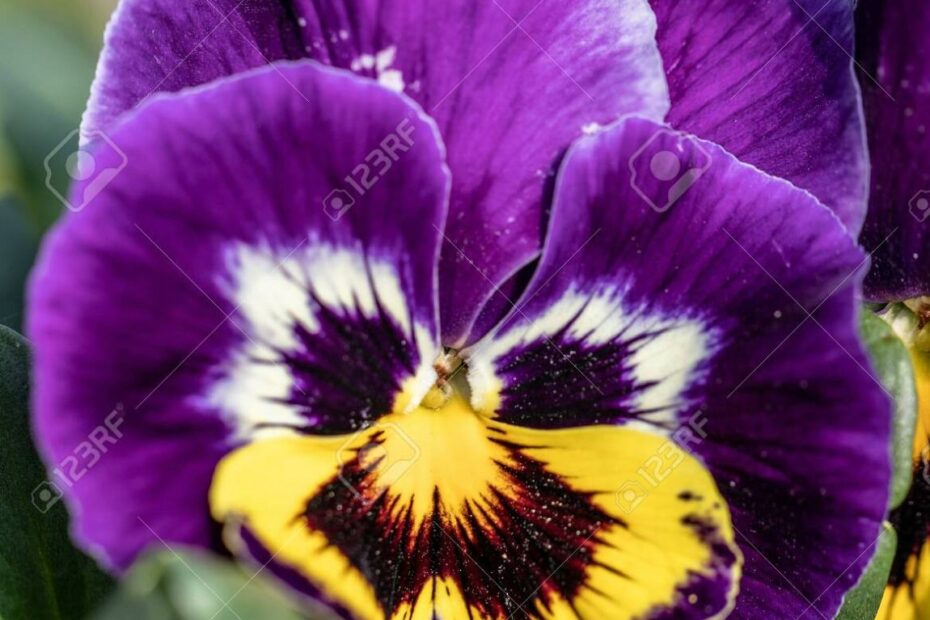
81,18
42,575
892,363
862,601
181,584
17,253
45,80
9,169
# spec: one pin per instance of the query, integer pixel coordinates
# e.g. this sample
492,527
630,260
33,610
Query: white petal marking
272,293
666,363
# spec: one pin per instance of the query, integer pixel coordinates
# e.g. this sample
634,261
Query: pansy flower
457,326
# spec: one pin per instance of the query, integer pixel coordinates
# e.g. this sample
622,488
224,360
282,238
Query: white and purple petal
510,87
208,292
507,82
683,291
773,83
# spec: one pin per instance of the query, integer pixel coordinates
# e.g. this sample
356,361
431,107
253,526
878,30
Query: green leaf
892,363
862,601
42,575
17,253
181,584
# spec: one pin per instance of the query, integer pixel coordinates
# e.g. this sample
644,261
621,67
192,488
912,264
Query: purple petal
687,292
895,77
214,292
510,93
772,82
158,46
507,82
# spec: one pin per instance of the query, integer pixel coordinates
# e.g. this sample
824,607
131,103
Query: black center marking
509,551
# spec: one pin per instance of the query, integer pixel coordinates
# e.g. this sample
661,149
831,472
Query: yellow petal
909,599
444,511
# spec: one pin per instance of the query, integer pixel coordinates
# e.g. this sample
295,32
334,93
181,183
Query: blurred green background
48,51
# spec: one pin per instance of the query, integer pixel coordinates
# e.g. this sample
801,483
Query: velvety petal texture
159,46
507,82
772,82
687,293
894,51
212,294
442,513
510,87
